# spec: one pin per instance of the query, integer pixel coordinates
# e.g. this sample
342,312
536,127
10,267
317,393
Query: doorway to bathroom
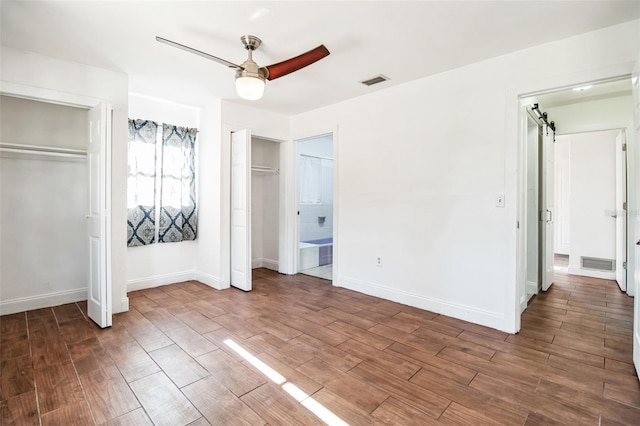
315,206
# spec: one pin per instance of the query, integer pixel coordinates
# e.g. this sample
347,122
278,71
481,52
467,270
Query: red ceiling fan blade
294,64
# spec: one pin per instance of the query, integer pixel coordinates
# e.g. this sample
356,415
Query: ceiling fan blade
294,64
198,52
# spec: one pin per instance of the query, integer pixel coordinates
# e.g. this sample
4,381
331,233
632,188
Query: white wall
589,116
210,250
39,76
28,122
158,264
420,165
593,198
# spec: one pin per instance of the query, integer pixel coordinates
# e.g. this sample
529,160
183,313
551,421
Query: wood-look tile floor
296,350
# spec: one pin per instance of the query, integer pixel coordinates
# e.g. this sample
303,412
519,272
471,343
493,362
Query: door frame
543,242
288,202
294,206
296,192
515,182
84,102
284,219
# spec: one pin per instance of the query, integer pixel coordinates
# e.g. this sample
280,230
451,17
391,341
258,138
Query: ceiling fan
250,78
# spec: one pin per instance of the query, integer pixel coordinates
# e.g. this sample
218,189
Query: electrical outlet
500,200
379,261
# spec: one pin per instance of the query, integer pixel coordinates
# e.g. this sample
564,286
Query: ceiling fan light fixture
249,87
251,78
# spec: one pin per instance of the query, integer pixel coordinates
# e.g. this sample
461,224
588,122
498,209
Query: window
310,180
163,160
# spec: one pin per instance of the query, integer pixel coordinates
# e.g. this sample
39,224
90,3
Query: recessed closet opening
265,203
44,186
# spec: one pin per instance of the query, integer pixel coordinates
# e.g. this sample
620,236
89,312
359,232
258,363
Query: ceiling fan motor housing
249,67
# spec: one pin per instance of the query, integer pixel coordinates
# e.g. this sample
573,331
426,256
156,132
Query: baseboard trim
467,313
576,270
158,280
636,350
532,287
210,280
265,263
22,304
124,305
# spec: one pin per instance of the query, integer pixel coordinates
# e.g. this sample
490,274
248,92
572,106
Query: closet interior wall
265,203
44,198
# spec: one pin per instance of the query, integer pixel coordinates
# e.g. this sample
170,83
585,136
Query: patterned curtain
178,216
141,186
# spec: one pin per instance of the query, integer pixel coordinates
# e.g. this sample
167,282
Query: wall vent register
597,264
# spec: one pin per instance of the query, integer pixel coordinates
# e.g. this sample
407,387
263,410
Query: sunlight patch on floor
319,410
272,374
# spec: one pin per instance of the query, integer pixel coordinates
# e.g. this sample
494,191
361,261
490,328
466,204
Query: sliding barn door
99,165
621,211
241,210
547,207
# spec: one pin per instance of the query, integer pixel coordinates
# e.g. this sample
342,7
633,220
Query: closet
265,203
44,199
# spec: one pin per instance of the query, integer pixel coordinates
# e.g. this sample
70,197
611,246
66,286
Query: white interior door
562,183
621,211
635,255
99,165
547,207
241,209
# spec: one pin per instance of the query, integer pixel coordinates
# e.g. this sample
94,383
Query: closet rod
37,149
316,156
42,153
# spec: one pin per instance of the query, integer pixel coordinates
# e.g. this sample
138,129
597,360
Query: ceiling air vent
375,80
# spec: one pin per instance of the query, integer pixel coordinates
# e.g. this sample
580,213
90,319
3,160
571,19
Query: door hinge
624,146
624,205
624,265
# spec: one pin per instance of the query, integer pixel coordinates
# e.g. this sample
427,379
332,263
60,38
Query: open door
547,207
241,209
99,165
621,211
635,254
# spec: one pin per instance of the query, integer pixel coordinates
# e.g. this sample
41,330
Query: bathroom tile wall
310,229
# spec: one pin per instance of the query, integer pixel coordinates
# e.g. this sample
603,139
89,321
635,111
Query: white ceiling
402,40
